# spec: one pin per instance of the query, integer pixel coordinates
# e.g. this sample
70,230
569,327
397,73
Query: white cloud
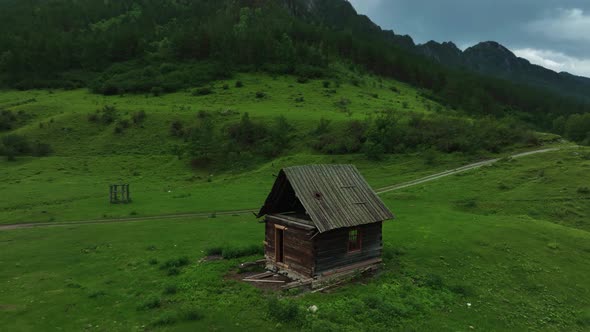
565,24
555,60
365,6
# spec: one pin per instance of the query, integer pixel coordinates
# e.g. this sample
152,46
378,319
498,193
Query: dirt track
241,212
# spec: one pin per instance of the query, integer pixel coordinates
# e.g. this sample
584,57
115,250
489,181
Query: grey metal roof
334,196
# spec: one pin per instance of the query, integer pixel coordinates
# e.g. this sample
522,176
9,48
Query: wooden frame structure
119,193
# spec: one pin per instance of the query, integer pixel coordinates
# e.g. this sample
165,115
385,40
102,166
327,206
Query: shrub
173,271
394,89
237,252
41,149
239,84
326,84
93,117
138,117
302,80
157,91
108,114
177,128
260,95
211,251
14,145
192,315
151,302
121,126
463,290
153,261
171,289
176,262
469,203
285,311
433,281
343,103
202,91
429,157
583,190
96,294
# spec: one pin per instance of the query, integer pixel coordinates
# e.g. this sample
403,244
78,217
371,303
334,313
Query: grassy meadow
452,262
502,248
72,182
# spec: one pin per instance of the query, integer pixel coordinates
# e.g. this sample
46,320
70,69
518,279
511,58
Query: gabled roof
334,196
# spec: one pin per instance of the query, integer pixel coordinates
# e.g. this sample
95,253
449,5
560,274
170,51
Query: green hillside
121,47
173,162
521,268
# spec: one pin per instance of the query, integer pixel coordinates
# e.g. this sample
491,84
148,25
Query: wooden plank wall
332,247
298,249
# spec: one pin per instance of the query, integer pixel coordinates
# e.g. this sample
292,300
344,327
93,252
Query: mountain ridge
488,57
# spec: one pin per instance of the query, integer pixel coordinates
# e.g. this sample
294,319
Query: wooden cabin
322,220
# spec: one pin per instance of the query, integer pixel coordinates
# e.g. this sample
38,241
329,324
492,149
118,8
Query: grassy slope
73,182
519,270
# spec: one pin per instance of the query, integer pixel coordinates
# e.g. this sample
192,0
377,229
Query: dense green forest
144,46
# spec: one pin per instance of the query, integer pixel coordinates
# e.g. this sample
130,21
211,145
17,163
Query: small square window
354,240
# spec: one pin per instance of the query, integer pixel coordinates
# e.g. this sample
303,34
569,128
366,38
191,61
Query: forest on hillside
143,46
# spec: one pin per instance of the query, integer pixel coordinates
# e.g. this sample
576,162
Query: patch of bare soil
8,307
211,258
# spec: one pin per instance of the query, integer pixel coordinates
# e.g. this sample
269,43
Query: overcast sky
551,33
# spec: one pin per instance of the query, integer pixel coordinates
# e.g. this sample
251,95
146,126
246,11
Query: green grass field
522,268
72,183
511,240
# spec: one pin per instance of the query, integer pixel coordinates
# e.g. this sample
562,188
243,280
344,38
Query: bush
108,114
97,294
41,149
260,95
192,315
225,87
326,84
239,84
14,145
463,290
237,252
171,290
343,103
213,251
583,190
173,271
138,117
177,129
153,261
202,91
302,80
151,302
121,126
93,117
176,262
285,311
157,91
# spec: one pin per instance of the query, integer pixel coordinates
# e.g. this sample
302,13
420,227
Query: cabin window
354,240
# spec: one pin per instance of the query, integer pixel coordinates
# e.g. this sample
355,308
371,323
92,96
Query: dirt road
242,212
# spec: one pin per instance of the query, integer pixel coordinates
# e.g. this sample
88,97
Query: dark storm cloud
553,33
